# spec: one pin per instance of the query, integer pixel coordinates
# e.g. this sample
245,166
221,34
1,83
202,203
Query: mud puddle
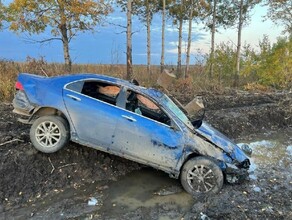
271,150
145,189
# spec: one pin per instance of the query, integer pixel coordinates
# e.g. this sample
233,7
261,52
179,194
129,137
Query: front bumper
237,174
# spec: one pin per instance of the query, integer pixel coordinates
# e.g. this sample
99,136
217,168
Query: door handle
74,97
129,118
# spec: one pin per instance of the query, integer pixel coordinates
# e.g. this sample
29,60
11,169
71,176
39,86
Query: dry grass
8,74
184,89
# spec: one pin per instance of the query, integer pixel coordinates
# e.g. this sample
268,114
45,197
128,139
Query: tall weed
198,81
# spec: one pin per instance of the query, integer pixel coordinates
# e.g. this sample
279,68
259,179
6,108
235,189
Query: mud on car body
124,119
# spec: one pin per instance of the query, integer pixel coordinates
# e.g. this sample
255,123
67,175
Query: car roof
88,76
80,76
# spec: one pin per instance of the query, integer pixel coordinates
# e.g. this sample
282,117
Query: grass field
184,89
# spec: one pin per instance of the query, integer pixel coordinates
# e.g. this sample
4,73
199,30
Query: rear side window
99,90
76,86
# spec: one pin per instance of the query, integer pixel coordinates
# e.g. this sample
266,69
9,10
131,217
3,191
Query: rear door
93,115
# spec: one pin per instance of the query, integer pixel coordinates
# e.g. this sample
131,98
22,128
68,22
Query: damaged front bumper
237,174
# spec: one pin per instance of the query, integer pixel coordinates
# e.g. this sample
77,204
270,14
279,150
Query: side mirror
197,119
197,123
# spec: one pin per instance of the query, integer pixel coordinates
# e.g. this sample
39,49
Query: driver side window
144,106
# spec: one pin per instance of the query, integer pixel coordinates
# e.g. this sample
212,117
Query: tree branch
53,167
13,140
33,41
117,25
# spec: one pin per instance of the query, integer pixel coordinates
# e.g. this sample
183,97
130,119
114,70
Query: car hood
221,141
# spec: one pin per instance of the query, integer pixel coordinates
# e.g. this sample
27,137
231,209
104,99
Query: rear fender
42,111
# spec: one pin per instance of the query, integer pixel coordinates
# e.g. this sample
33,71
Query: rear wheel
201,176
49,134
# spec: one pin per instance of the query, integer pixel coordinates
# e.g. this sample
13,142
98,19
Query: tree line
66,18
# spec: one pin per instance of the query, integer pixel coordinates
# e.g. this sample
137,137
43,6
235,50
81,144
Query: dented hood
221,141
216,137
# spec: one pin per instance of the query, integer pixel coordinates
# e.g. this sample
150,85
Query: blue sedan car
124,119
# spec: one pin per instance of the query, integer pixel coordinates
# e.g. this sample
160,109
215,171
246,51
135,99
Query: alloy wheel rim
201,178
48,134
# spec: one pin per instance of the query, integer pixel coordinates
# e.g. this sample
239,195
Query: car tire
201,176
49,134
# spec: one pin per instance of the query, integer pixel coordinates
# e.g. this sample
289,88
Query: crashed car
122,118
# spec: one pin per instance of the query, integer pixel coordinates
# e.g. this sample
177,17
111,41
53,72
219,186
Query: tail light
18,86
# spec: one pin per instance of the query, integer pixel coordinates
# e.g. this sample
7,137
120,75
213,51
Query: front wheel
49,134
201,176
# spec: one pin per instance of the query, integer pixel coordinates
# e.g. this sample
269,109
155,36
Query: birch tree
62,17
239,30
213,30
177,11
243,9
164,6
2,14
145,11
129,40
190,15
162,64
194,9
218,13
280,12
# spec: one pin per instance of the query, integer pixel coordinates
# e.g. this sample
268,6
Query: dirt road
60,185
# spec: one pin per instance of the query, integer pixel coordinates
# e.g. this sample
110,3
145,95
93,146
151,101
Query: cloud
196,28
116,18
145,54
201,44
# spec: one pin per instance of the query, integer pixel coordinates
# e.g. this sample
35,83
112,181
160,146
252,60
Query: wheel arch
46,111
196,154
187,158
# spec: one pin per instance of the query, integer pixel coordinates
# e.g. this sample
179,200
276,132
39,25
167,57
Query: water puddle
145,189
271,150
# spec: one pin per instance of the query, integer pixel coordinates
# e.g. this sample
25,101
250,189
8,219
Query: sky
107,45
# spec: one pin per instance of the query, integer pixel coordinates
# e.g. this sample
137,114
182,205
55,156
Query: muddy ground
60,185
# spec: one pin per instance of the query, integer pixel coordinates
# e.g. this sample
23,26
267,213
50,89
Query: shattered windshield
176,110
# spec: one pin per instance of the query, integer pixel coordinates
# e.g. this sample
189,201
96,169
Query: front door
147,140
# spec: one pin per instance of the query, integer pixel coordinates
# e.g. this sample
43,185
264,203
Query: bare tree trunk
240,23
189,41
179,48
213,30
162,37
65,41
148,38
129,40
